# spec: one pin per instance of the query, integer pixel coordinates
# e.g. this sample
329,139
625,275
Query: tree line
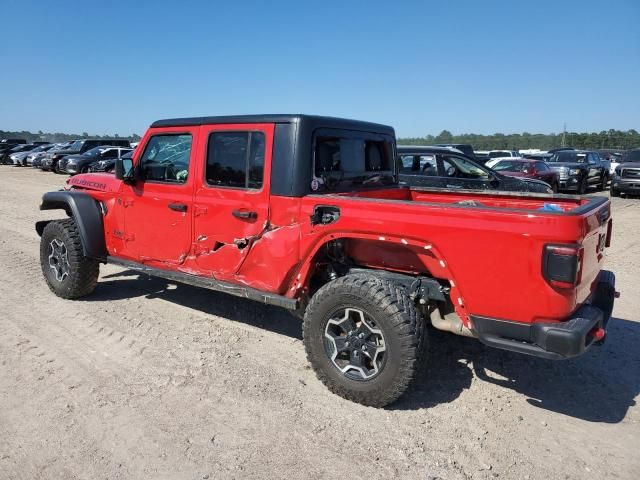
606,139
56,137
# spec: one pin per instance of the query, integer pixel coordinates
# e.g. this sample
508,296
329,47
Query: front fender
86,212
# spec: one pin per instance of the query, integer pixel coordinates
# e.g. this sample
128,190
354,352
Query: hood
566,164
103,182
629,165
73,157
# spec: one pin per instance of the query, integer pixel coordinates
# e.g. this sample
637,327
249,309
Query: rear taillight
562,265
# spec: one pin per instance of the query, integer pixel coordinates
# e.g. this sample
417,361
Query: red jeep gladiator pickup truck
306,213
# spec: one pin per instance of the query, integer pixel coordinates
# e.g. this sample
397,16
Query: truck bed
489,245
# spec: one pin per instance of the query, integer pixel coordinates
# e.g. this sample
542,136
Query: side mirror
124,170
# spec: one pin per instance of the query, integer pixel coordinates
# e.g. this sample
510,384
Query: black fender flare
88,217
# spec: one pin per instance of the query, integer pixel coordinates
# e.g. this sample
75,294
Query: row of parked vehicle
78,156
448,166
559,170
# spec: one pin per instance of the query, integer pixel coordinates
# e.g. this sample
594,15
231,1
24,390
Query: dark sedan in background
73,164
526,168
441,167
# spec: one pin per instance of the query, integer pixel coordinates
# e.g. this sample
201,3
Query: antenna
564,135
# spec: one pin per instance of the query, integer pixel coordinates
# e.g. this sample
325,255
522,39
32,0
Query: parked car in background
626,177
12,141
525,168
614,161
439,167
73,164
502,153
20,159
108,164
38,157
580,169
79,146
41,150
12,156
541,156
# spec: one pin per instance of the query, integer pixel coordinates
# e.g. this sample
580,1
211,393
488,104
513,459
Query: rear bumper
556,340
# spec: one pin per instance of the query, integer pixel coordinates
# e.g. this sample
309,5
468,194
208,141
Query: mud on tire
68,273
366,315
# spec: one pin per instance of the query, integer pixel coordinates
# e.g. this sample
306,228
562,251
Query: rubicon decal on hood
85,183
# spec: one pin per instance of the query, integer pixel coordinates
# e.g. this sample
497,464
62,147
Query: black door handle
178,207
244,215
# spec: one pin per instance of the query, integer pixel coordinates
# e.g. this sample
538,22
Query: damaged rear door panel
231,206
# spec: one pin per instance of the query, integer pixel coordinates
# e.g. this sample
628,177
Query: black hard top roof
313,121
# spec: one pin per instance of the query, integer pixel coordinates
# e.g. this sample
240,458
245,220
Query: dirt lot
145,379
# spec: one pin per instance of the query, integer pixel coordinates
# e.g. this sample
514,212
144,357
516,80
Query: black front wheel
364,338
68,273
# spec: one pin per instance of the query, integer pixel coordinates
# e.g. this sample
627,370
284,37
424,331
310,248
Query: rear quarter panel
492,256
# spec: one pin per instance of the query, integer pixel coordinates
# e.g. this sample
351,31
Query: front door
231,204
158,208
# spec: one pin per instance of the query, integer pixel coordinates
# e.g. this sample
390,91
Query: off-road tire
82,275
393,312
615,192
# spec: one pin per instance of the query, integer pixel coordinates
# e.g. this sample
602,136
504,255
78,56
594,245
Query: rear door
231,206
158,208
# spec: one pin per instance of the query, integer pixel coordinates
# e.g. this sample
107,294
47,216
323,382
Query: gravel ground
146,379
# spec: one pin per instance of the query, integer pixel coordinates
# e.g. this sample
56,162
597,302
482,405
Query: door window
166,158
235,159
541,167
113,153
459,167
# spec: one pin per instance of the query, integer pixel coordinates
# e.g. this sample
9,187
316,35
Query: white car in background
503,154
495,160
614,161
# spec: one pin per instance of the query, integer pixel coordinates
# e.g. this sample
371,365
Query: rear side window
166,158
351,155
235,159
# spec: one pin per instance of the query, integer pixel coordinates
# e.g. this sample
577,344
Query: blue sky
421,66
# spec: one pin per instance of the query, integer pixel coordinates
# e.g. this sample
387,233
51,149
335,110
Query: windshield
77,145
510,166
568,157
94,152
500,153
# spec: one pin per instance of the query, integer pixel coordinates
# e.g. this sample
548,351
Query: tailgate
597,225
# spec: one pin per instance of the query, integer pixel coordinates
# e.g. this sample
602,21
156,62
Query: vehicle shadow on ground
598,386
128,284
